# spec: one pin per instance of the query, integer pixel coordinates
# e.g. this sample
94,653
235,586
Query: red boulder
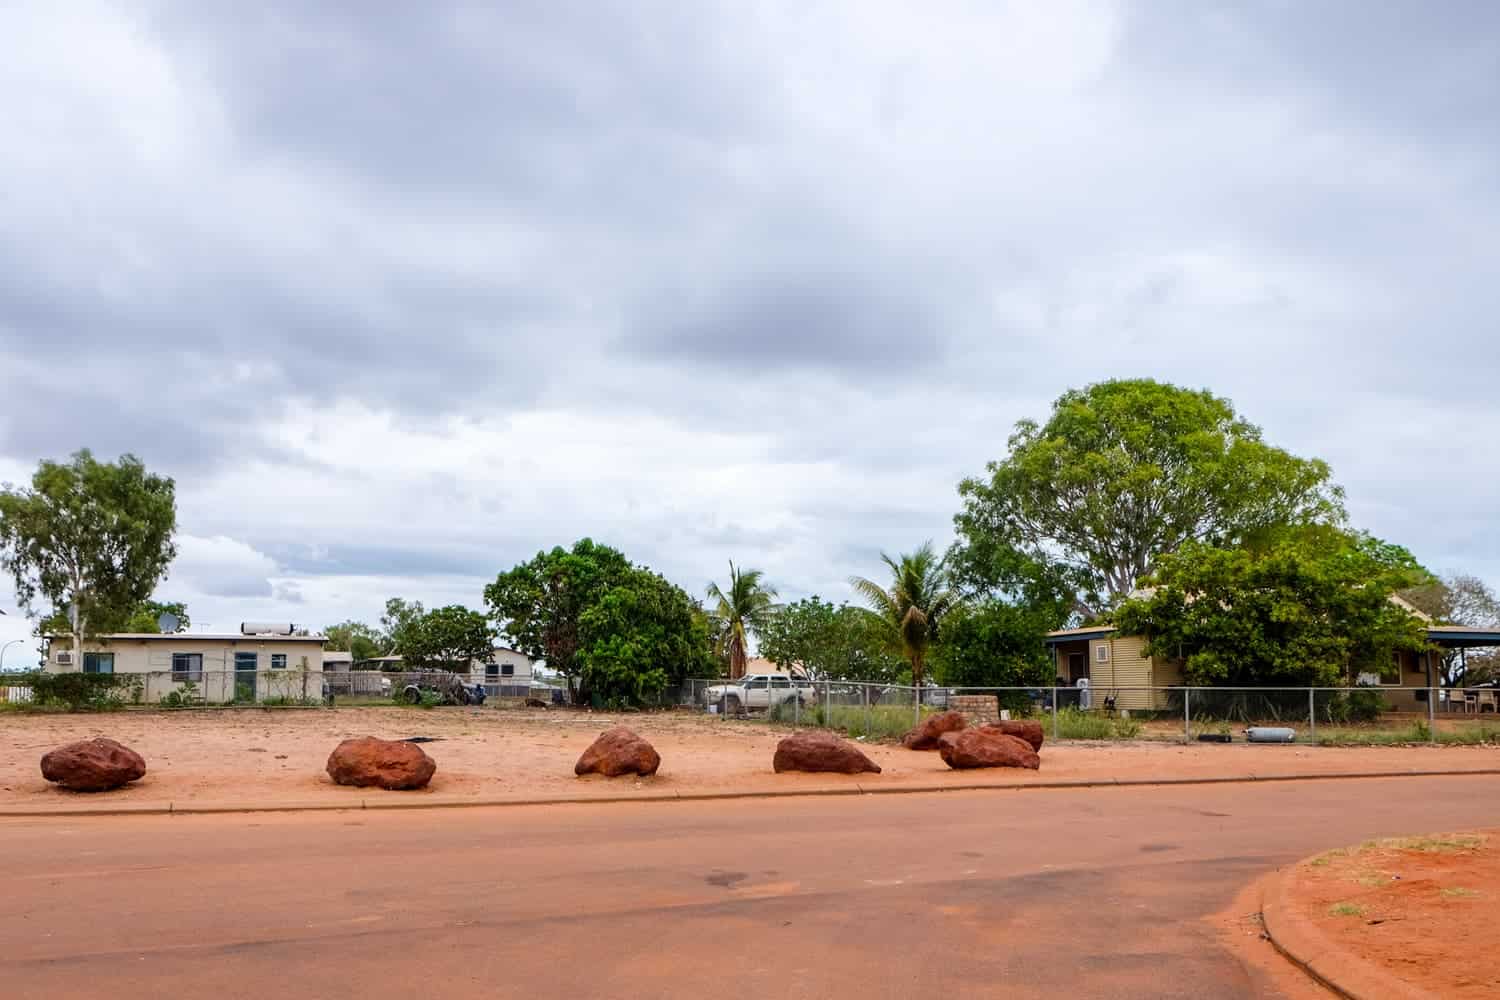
1026,729
821,752
925,735
616,752
392,764
95,765
986,748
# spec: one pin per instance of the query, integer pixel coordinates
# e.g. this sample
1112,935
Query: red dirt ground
248,757
1424,909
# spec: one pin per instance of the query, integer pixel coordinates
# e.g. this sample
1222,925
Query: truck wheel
730,704
413,695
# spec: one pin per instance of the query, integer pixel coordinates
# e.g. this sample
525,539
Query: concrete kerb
397,801
1340,972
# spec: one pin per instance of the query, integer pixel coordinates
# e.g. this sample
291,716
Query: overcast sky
401,293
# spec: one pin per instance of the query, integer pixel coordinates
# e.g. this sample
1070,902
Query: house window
507,669
1101,653
492,670
98,663
278,661
187,667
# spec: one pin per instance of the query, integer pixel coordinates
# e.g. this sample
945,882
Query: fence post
916,706
1054,714
1432,693
1187,715
864,696
796,708
1312,715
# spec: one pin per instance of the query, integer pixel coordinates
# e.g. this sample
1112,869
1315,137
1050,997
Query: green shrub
75,692
1076,724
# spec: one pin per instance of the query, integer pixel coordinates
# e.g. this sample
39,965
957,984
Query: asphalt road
1056,894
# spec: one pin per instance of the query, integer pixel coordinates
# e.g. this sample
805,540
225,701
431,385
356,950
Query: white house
212,667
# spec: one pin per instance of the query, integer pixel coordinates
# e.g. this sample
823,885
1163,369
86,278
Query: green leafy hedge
78,692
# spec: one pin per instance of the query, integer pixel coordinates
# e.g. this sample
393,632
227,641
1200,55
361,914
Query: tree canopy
640,636
447,638
740,612
831,642
1311,606
912,605
400,615
605,625
96,536
992,643
360,641
1122,473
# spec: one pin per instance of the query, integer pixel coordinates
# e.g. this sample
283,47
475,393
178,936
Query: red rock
616,752
393,764
821,752
95,765
984,747
1026,729
925,735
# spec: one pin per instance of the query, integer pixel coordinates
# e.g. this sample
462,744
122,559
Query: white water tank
266,628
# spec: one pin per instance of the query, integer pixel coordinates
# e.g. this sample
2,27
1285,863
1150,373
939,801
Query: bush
1355,706
76,692
1076,724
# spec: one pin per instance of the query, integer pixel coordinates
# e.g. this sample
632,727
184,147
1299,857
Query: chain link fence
1385,714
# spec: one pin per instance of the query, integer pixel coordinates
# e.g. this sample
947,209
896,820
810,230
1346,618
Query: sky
401,294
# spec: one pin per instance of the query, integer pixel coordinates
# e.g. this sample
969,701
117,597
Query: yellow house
1117,668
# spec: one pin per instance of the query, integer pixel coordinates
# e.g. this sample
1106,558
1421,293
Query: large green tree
1124,472
912,605
739,612
992,643
92,536
605,625
360,641
831,642
642,635
1308,606
400,615
446,638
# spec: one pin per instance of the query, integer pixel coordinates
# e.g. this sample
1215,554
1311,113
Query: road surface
1076,893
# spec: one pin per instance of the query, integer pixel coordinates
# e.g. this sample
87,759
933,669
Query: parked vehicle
757,692
449,687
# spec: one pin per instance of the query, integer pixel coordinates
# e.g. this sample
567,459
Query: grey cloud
810,321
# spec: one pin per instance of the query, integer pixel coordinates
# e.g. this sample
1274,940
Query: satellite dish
167,622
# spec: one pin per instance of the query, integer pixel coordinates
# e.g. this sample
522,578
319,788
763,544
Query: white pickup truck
756,692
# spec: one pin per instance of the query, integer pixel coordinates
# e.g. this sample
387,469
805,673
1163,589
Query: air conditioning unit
65,659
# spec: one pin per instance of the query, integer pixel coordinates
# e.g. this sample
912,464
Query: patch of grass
1458,892
879,722
1346,910
1371,879
1433,845
1327,857
1480,734
1076,724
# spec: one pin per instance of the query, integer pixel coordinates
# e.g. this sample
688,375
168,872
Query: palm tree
916,601
740,611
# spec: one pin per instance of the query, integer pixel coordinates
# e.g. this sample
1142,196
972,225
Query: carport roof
1463,635
1076,634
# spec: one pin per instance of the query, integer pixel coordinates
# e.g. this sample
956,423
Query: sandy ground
1422,908
272,757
